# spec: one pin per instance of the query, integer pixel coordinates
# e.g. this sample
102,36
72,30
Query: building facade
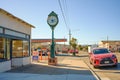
111,45
15,41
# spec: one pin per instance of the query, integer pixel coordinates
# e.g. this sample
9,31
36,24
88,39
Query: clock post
52,21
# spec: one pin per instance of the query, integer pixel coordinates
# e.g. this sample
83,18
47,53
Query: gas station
44,45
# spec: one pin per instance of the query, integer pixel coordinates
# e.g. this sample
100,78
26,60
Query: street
69,68
104,73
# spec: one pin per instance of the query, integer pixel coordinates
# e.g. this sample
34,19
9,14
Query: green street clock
52,20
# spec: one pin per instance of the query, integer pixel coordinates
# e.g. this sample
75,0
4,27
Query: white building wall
92,47
5,66
12,23
26,60
16,62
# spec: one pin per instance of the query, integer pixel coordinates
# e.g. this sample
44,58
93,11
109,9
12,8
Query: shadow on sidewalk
50,70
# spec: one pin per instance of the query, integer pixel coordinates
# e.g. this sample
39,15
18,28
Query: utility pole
107,43
69,36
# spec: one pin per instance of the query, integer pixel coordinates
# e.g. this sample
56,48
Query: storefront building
112,45
15,41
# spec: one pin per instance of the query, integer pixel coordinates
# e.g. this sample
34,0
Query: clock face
52,20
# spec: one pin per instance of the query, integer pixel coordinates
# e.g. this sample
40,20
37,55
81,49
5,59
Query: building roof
47,40
9,14
106,41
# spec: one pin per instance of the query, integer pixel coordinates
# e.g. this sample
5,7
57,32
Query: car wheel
90,62
95,66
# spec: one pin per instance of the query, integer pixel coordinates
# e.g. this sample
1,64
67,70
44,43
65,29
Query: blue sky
90,21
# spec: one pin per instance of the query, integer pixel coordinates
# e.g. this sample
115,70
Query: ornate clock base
52,61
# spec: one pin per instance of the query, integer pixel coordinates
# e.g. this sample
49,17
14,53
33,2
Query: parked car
72,51
102,57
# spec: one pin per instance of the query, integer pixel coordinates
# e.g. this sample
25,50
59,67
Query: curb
93,72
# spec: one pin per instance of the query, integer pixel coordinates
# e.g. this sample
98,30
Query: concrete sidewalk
68,68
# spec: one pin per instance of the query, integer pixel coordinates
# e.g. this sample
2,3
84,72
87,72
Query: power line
63,14
65,8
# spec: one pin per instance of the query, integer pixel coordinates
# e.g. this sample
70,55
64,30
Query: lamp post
52,21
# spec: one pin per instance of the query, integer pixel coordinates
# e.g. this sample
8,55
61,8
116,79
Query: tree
80,47
73,43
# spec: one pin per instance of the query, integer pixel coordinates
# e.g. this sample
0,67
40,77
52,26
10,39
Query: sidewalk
68,68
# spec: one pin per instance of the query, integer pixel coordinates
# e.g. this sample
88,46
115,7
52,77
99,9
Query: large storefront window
25,48
20,48
2,47
17,48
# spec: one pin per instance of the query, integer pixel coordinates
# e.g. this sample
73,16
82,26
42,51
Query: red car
72,51
102,57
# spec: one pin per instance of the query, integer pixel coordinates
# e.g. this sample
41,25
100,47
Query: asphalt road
104,73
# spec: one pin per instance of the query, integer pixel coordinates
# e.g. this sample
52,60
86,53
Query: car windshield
100,51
